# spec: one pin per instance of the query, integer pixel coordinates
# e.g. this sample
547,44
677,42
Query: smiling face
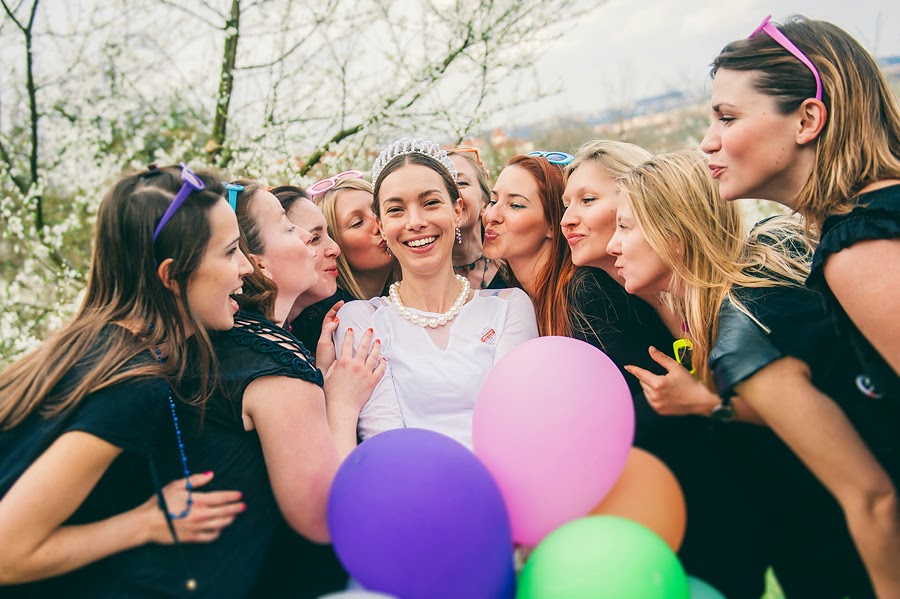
752,147
358,233
515,225
285,258
307,215
589,222
220,272
636,260
418,218
470,192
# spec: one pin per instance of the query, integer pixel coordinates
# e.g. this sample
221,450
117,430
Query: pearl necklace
433,321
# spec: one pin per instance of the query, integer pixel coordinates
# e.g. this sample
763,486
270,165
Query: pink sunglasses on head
788,45
320,187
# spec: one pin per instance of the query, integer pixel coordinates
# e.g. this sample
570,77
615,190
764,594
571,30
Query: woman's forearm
874,523
342,422
71,547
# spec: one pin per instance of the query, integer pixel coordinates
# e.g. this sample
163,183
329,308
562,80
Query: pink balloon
553,423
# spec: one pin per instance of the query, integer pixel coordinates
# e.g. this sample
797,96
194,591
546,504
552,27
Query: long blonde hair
327,202
615,159
700,238
860,143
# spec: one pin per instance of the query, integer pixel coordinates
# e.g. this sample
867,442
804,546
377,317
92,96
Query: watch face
723,413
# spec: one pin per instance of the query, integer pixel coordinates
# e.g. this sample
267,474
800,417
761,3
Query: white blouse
433,375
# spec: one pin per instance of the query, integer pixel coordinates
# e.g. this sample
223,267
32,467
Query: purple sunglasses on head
190,183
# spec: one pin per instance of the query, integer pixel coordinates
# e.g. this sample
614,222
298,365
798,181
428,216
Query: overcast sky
630,49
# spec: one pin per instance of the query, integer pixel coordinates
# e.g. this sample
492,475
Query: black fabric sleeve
128,415
877,216
255,348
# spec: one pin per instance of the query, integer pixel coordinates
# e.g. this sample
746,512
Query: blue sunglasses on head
233,190
560,158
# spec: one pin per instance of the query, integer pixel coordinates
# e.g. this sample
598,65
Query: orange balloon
648,493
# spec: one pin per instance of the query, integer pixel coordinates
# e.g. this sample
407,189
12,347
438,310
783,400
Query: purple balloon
415,514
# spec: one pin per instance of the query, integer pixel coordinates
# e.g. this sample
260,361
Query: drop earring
458,235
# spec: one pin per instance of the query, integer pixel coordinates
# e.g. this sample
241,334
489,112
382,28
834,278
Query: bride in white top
440,338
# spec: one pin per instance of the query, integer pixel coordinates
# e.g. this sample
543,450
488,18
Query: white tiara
412,146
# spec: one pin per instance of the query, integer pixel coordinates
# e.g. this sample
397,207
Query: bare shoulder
867,269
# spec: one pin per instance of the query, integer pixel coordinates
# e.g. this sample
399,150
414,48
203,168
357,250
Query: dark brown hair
421,160
288,195
123,288
259,290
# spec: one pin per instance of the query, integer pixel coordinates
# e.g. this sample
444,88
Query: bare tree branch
193,14
19,182
31,88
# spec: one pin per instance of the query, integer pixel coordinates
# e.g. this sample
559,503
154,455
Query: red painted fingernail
334,319
371,331
350,329
207,473
378,341
243,507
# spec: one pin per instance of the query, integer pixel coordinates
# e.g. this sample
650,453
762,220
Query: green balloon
602,557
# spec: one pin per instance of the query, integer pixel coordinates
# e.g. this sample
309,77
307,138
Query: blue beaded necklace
184,467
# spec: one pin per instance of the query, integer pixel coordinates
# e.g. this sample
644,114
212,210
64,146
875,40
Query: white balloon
357,594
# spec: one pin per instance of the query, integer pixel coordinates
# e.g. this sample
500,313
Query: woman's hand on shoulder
676,393
210,513
352,377
325,352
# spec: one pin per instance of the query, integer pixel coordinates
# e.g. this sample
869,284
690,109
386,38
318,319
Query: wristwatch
724,412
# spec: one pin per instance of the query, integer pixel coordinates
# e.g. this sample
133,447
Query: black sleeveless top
876,216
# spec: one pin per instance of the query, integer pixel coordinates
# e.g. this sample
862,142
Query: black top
876,216
216,441
498,281
624,327
133,415
254,348
800,328
308,325
806,521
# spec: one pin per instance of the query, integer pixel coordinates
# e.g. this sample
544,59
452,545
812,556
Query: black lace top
876,216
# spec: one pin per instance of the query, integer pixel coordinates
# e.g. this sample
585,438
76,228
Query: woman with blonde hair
364,266
625,326
755,332
803,116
